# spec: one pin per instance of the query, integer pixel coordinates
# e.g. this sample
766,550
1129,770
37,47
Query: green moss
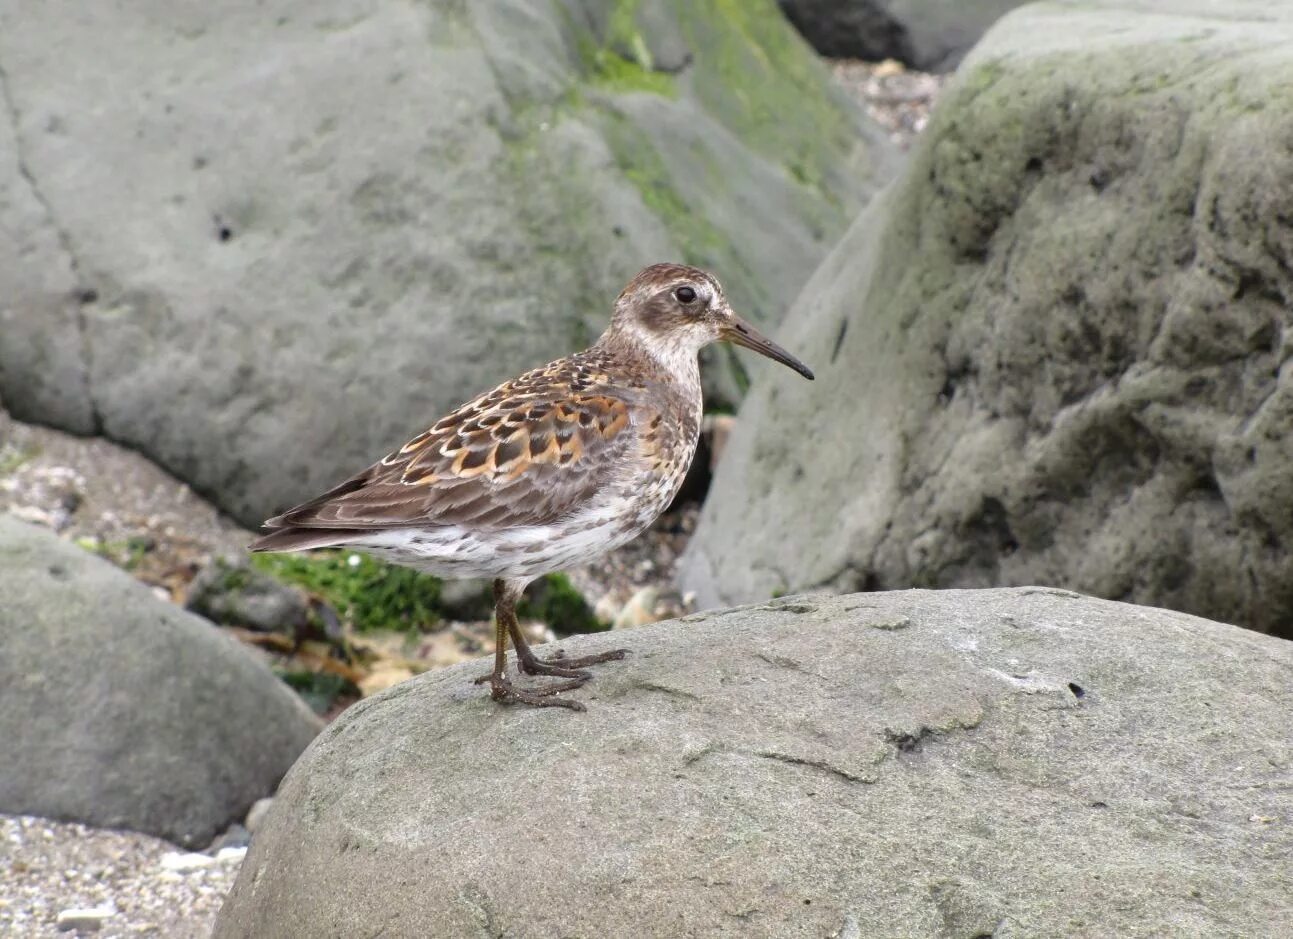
701,243
369,593
554,600
127,554
616,73
233,579
755,75
621,61
12,458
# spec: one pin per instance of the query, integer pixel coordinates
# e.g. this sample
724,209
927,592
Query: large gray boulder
932,35
1056,350
963,763
121,710
264,242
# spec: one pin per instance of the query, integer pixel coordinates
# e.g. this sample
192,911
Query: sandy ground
114,501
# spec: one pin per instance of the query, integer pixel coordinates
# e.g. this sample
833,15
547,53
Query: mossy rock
1056,350
316,299
556,601
367,593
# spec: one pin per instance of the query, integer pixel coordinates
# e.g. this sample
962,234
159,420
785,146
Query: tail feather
301,539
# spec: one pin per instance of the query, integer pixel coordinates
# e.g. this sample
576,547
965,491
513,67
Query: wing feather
530,452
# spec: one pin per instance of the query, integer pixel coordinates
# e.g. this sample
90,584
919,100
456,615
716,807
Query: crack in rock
824,765
786,662
665,690
64,242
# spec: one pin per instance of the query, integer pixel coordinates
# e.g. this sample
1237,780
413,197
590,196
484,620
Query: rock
467,600
948,761
256,815
84,919
1056,351
228,590
930,35
121,711
267,260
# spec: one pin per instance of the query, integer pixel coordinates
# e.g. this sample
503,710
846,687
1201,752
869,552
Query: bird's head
677,309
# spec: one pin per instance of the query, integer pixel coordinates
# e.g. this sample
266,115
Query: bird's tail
301,539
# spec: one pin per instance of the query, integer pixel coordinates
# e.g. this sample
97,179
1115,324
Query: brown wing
527,453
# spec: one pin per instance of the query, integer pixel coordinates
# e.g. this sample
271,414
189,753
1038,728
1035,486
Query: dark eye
685,295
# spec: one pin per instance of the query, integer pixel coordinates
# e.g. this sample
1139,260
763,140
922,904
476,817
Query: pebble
84,919
640,609
181,862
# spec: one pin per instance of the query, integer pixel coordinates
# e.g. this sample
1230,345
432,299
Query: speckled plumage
549,470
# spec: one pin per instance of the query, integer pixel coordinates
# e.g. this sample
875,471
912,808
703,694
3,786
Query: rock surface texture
265,242
963,763
1057,349
931,35
120,710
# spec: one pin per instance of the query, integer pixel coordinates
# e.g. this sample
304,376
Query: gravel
105,883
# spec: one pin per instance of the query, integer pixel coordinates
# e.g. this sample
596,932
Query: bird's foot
584,661
533,665
503,691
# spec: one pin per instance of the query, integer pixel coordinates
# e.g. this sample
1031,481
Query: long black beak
741,333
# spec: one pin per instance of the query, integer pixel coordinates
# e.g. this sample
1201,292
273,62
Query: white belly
621,512
522,552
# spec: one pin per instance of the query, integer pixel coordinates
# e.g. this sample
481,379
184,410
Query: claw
584,660
503,691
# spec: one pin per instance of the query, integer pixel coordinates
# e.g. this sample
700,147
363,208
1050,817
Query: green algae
367,593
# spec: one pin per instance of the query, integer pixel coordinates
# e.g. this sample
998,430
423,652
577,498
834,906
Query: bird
547,471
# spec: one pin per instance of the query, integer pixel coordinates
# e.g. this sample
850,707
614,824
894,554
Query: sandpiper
547,471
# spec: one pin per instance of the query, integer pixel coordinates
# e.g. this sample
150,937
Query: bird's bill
741,333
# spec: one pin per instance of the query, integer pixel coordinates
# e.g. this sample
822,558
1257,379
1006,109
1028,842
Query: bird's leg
531,664
558,665
501,688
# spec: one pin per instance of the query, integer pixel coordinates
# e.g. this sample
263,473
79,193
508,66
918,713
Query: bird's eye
685,295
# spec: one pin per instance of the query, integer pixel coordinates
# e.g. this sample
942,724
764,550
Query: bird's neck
675,362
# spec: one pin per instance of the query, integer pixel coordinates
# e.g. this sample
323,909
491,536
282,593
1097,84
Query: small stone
607,609
718,430
231,855
235,836
183,861
84,919
256,815
640,609
229,590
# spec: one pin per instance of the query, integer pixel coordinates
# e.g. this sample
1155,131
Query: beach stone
913,763
264,243
228,590
84,919
120,710
1057,349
